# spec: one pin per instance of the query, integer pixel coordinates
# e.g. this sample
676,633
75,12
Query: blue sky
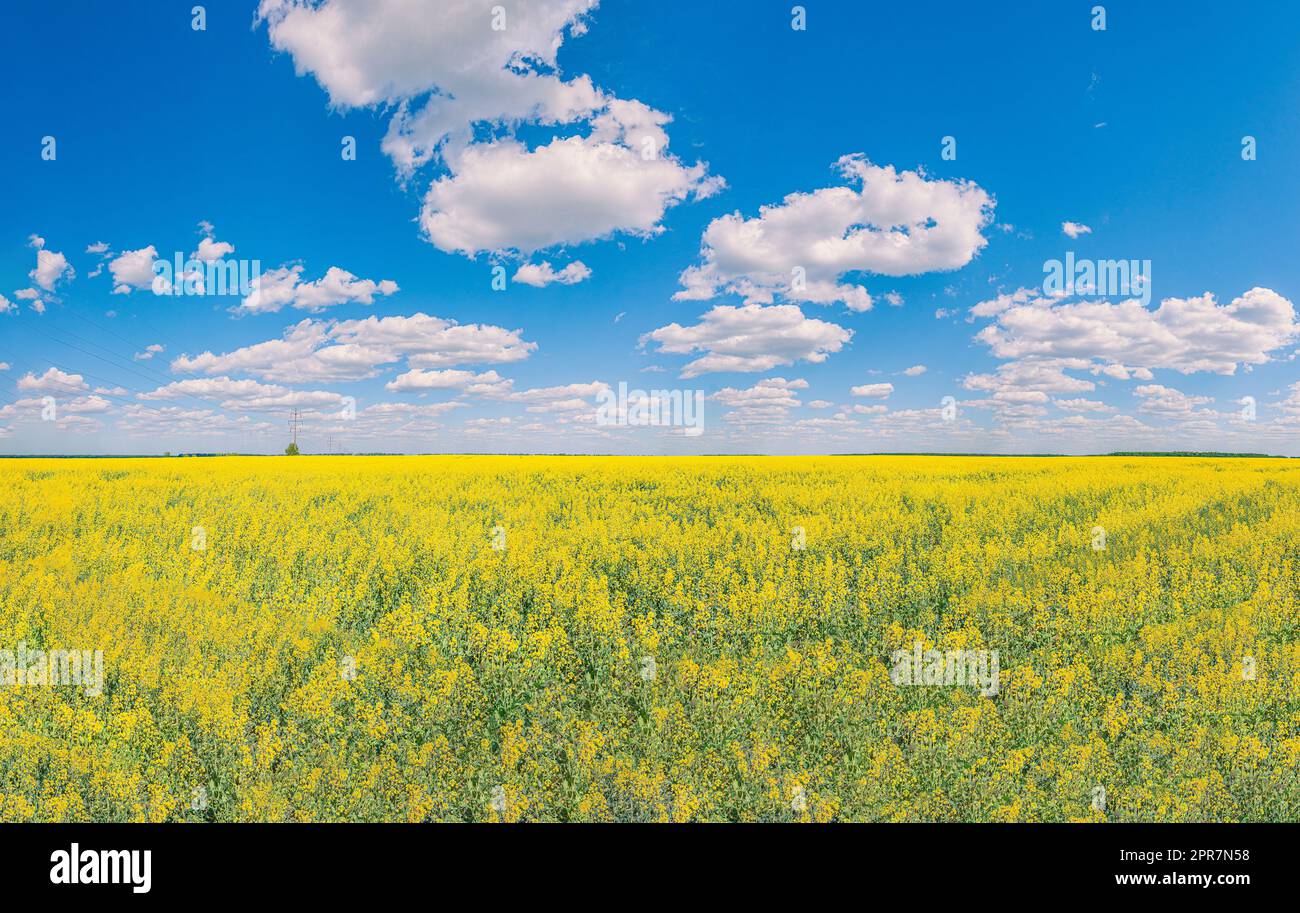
526,144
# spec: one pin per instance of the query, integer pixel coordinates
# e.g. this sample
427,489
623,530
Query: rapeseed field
474,638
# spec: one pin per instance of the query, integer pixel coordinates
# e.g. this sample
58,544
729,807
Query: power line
73,392
207,402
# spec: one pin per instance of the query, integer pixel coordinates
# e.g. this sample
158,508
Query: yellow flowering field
475,638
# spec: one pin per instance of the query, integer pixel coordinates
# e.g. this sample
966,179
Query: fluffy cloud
542,275
133,270
374,52
34,407
210,249
52,381
488,423
1046,375
283,287
433,342
479,62
148,353
874,391
1188,335
244,395
768,393
445,379
834,427
564,398
501,196
1020,389
1168,401
1121,372
1020,397
884,222
302,355
1292,403
101,249
315,350
994,306
750,338
1113,428
33,296
71,412
914,371
86,404
558,393
575,404
768,401
1082,405
171,421
1075,229
412,409
51,267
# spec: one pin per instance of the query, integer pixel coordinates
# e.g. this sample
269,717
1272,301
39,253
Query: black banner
343,862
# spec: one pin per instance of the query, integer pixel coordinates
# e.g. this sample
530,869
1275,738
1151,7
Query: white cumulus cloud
881,221
51,266
750,338
318,350
543,274
243,395
283,287
52,381
133,270
503,196
476,62
1188,335
874,391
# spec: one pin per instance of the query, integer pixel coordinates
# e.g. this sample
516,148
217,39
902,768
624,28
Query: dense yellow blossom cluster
650,639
